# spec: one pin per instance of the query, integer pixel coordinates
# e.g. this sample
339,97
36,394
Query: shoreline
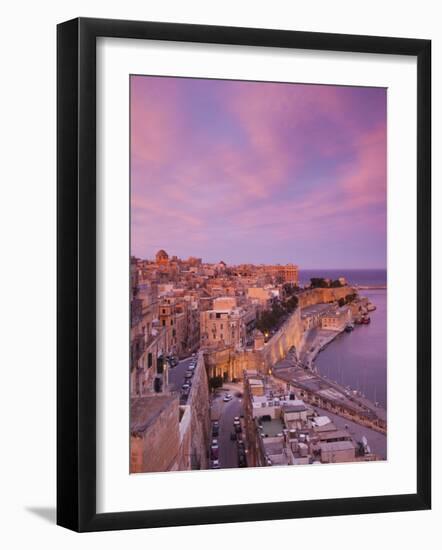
310,355
321,339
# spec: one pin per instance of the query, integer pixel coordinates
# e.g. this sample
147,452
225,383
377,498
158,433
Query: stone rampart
323,295
198,402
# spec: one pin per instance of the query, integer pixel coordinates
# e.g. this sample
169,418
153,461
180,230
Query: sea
358,359
362,277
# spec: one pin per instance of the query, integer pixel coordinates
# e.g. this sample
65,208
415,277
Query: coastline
317,340
322,338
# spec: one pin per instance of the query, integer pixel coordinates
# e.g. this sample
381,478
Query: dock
331,396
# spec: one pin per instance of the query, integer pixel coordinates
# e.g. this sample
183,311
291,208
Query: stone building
336,319
162,258
224,325
283,429
168,436
282,273
155,434
148,343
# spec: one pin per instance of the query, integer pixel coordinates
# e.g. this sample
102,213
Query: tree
289,289
215,382
318,282
336,283
291,304
341,302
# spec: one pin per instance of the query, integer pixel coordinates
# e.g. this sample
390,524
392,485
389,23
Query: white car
227,397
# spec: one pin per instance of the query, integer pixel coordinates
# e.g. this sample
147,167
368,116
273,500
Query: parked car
185,386
236,420
214,464
232,436
238,428
215,430
214,452
188,374
242,463
227,397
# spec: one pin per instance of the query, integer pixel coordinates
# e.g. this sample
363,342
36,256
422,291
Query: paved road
228,453
176,374
376,441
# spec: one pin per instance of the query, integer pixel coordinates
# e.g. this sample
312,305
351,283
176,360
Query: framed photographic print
243,274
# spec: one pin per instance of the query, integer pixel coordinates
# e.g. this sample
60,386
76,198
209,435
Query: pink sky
258,172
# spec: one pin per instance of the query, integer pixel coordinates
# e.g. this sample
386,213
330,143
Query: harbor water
358,359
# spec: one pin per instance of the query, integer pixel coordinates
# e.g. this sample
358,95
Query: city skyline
151,257
250,172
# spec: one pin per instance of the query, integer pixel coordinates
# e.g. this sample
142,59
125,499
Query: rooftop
315,309
271,428
338,446
334,434
295,405
145,410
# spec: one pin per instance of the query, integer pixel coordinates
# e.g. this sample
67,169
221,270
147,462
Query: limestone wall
157,448
291,334
233,363
322,295
198,402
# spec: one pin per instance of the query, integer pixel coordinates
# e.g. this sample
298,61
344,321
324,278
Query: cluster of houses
179,306
282,429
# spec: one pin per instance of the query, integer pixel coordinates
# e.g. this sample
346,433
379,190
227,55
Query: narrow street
228,451
176,374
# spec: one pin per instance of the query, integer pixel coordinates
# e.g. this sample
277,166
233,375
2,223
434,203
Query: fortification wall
200,418
291,334
323,295
231,364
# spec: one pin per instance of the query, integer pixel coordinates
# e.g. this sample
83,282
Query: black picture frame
76,273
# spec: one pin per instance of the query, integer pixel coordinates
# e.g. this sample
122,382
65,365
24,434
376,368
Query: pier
330,396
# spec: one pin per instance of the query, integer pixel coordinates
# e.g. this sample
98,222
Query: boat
371,307
349,327
365,320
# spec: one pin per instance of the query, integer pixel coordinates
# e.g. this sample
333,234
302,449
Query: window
164,322
160,365
149,360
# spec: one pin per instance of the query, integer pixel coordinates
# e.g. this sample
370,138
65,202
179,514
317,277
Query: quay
330,396
316,341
